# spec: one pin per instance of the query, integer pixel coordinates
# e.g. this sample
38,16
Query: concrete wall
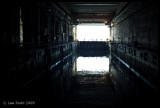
134,39
46,32
92,45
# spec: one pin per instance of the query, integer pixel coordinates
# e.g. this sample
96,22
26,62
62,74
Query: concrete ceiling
92,11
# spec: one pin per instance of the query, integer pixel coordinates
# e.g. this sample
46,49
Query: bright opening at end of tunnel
92,65
93,32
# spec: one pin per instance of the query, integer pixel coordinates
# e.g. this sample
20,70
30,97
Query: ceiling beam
121,6
91,4
92,16
64,7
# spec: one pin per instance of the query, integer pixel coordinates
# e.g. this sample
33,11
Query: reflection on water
92,65
97,81
91,82
92,70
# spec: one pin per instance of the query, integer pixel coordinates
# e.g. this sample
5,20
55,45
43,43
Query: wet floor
92,84
81,80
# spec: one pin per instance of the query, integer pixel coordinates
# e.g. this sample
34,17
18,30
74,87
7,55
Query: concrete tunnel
44,63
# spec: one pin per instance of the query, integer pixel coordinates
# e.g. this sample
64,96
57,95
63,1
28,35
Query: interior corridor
47,62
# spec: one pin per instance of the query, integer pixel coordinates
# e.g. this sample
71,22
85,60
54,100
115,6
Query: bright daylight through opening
92,32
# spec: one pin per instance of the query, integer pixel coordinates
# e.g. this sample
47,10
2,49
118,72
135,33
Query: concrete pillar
74,32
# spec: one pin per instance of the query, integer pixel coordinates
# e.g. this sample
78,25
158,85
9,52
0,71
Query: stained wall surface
34,36
134,40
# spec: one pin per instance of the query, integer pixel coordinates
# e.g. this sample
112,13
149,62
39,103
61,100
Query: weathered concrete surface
101,45
134,39
47,37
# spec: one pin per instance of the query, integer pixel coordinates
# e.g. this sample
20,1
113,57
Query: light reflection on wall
92,65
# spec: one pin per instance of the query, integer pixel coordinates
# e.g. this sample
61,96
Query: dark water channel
89,79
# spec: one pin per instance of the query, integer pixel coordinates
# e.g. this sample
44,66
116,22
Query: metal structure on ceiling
92,12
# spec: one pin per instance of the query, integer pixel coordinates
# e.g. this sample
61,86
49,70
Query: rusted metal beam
92,16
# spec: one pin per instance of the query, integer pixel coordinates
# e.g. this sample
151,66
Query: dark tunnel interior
45,64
